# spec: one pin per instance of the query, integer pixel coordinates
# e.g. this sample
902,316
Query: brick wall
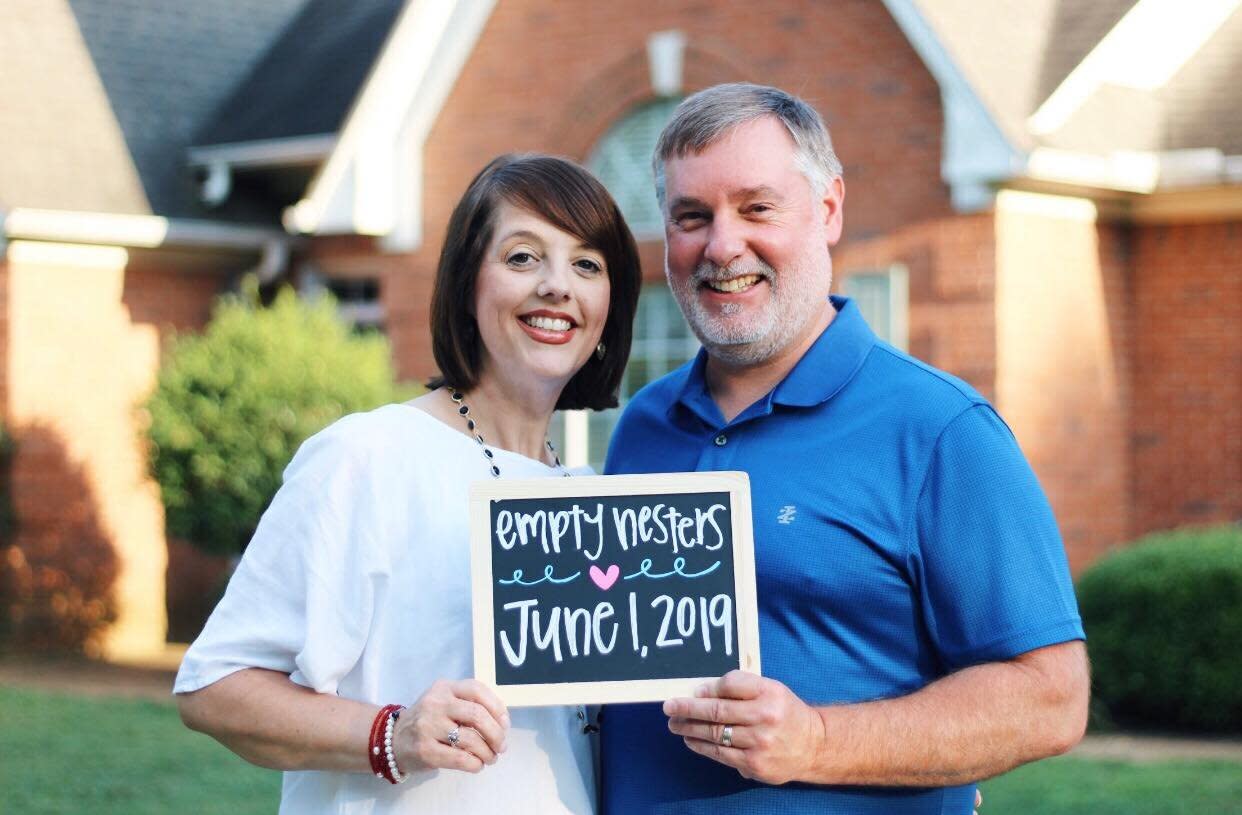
1061,363
82,348
1186,356
544,76
950,262
1055,349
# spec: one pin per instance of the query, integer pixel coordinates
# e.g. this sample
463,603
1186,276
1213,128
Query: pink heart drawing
605,579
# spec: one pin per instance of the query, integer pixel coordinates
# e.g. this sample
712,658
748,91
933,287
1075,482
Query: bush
1164,623
233,404
57,575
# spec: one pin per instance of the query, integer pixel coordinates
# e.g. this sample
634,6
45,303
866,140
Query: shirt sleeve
301,599
993,578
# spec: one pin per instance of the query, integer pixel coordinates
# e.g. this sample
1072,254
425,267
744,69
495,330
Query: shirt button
722,440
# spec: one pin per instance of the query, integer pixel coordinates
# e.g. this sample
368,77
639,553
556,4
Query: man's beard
727,333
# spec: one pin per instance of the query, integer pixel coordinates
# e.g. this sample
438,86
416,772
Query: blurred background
219,224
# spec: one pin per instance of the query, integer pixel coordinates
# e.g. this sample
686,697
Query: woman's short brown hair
572,200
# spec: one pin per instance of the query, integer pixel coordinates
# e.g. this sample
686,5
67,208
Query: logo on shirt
786,515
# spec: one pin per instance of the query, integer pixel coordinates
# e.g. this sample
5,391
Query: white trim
899,306
664,60
577,438
80,255
1043,205
216,185
358,188
1144,50
286,152
362,314
977,155
137,231
1133,171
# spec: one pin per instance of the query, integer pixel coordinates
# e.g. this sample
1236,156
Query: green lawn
63,755
1096,787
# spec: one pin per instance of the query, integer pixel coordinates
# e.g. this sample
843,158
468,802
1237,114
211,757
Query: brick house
1043,197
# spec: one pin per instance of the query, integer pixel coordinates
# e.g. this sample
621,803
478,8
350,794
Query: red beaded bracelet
379,747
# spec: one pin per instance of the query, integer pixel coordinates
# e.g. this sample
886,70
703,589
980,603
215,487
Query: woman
354,593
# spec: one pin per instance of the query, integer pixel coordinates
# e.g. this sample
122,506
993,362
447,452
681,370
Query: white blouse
357,583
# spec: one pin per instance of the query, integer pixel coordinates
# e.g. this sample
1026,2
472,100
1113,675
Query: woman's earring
599,351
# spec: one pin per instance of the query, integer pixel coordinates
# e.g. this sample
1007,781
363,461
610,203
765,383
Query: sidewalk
1146,748
91,678
87,677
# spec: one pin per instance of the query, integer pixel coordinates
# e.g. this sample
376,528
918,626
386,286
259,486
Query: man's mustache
708,272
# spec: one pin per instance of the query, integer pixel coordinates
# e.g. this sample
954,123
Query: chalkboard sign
611,588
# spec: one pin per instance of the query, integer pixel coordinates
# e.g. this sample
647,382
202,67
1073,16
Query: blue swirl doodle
644,570
547,576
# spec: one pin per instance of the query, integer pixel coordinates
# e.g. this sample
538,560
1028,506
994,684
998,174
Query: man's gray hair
706,116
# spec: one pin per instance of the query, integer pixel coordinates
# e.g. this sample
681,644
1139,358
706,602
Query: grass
64,755
67,754
1069,785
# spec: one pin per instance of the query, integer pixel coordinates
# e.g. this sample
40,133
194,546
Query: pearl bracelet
379,748
395,775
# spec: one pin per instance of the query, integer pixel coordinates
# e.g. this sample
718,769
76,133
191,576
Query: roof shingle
306,82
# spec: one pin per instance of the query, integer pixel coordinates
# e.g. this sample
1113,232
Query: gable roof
50,80
1021,54
1014,53
308,79
1203,101
101,97
1122,94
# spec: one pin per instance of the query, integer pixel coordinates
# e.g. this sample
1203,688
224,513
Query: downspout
273,262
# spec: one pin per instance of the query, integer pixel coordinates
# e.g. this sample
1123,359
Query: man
917,622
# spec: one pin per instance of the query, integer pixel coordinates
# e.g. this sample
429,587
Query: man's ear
833,203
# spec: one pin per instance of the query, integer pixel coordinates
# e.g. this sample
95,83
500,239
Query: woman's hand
421,735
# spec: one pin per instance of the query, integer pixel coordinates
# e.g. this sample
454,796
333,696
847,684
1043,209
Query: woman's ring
726,735
454,736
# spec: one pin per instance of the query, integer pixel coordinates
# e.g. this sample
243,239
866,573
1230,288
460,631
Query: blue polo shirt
899,536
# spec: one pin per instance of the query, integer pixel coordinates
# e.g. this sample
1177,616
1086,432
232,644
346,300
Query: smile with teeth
547,323
734,284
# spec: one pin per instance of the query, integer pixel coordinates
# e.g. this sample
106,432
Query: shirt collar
831,362
826,367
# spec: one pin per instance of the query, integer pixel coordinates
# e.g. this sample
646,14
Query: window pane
622,160
872,294
662,343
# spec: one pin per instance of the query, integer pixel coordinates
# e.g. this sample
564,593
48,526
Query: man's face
747,240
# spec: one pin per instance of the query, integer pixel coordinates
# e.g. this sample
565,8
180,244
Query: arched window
622,160
662,340
662,343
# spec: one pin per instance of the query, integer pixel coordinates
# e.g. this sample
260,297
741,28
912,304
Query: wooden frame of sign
628,588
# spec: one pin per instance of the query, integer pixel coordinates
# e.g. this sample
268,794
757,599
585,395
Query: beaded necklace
464,411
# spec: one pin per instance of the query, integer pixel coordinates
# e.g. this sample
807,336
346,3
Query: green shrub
233,404
1164,629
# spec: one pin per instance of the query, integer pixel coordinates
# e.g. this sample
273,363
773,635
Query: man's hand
773,736
973,724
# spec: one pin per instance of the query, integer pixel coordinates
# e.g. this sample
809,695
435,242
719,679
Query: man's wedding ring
726,735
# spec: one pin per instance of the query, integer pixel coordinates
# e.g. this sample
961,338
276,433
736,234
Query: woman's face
541,300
